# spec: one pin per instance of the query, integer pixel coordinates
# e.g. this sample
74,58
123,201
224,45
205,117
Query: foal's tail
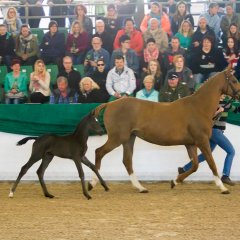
98,109
24,140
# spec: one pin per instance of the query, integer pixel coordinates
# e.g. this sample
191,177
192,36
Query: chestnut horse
187,121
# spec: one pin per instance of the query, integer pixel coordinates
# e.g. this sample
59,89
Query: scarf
150,55
146,93
11,24
25,43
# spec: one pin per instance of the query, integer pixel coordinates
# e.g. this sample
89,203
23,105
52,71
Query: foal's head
94,125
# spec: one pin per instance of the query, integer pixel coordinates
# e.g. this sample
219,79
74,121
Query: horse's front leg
78,164
127,161
206,150
192,153
93,168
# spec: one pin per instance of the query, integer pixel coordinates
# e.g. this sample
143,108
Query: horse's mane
82,124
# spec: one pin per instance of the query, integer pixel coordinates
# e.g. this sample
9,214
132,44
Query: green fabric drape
38,119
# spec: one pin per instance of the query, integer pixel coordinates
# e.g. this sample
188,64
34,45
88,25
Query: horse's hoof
90,187
226,192
143,191
49,196
88,197
106,189
172,184
10,195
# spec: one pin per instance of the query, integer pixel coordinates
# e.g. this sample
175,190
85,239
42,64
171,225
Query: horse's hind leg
111,144
209,158
127,161
23,171
192,153
40,172
92,166
81,175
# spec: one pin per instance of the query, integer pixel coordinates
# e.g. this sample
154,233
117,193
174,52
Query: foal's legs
92,166
40,172
111,144
78,164
127,161
192,153
23,171
205,149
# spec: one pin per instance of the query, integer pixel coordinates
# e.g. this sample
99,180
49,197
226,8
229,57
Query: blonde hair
158,73
176,57
149,77
190,32
11,8
36,67
88,79
80,25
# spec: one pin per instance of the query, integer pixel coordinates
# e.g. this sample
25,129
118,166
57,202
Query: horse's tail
24,140
98,109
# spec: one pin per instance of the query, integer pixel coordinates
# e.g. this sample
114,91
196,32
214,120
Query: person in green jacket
173,89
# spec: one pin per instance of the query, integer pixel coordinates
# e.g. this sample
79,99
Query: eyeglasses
100,64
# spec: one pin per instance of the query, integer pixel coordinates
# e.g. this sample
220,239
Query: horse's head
232,85
94,125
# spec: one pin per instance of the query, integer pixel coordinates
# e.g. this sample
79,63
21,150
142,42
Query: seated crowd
161,60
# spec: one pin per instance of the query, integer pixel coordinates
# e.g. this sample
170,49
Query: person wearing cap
212,17
184,73
101,32
121,81
173,90
15,84
157,12
159,35
130,56
148,92
53,45
136,38
202,30
112,21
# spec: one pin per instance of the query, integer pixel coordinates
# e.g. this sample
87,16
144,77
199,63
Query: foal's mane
82,124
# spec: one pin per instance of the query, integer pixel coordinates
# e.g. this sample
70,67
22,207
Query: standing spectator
148,92
12,21
227,20
185,34
97,52
59,13
99,76
129,55
120,80
206,61
15,84
73,77
173,90
39,83
81,15
6,47
202,30
136,39
156,12
77,43
179,16
107,41
112,22
154,70
53,45
160,37
89,92
184,73
27,46
63,94
213,19
32,11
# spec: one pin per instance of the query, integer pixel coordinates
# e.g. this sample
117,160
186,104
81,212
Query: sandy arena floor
190,211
